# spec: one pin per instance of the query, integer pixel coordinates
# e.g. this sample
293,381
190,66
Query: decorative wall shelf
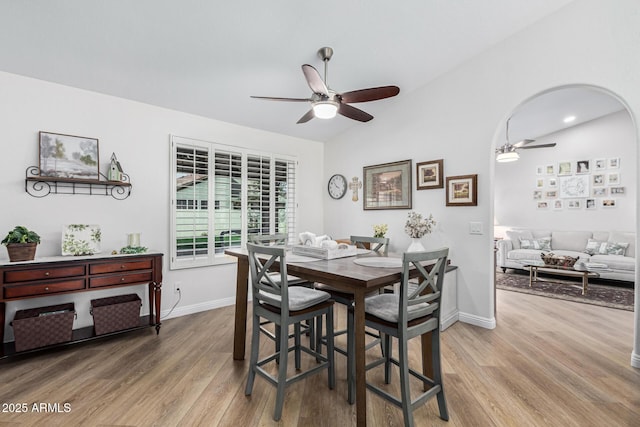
41,186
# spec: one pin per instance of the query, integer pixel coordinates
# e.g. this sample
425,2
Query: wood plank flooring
548,363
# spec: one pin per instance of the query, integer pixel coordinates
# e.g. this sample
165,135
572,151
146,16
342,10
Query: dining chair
376,244
280,239
413,312
285,305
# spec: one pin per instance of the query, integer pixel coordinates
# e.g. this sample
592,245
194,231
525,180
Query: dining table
349,274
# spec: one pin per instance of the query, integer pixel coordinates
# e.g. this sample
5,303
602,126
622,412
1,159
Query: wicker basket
43,326
117,313
558,261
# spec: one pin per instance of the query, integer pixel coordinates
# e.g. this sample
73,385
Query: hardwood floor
548,363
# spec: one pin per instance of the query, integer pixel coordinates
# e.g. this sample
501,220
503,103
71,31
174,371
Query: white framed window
252,192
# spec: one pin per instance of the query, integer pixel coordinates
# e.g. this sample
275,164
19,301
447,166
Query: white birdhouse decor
115,170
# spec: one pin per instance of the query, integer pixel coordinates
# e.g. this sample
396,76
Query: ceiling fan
508,152
326,103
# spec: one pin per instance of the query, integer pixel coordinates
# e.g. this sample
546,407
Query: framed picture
599,192
537,195
614,163
574,186
552,194
387,186
462,190
599,164
582,166
564,169
551,170
429,175
557,204
618,191
598,180
613,178
543,205
574,204
539,182
68,156
590,204
552,182
540,170
608,203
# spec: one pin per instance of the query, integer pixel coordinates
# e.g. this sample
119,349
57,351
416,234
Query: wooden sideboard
66,275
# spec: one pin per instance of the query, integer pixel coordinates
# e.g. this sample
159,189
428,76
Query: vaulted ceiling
208,57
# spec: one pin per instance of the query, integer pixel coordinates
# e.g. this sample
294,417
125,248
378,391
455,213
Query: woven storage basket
43,326
115,313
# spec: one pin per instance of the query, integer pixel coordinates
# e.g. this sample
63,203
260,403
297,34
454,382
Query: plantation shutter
259,196
228,200
285,201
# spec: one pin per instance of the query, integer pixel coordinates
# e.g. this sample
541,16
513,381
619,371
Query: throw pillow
516,235
613,248
542,244
595,247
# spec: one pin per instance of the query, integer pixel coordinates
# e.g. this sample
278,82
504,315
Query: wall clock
337,186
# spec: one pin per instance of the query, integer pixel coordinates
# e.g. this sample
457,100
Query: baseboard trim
472,319
449,320
635,360
197,308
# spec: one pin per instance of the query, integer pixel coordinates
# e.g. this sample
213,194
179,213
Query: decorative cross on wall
354,185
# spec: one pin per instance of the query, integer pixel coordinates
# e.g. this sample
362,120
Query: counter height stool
283,305
413,312
376,244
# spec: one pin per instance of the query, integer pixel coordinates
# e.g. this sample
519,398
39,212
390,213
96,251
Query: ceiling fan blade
314,80
271,98
354,113
306,117
371,94
553,144
523,142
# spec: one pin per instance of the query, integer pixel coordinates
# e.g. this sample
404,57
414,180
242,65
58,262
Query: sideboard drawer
13,276
42,289
112,267
120,279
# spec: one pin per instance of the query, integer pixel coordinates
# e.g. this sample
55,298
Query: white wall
139,135
458,116
604,138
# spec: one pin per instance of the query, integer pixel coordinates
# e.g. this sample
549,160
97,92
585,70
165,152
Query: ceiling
208,57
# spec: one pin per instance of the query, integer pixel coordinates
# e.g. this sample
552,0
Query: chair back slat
429,281
376,244
265,288
268,239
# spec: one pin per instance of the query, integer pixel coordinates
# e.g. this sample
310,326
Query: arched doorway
603,130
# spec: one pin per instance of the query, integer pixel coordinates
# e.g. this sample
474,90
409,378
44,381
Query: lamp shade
325,109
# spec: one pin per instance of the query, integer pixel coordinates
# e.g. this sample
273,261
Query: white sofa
616,250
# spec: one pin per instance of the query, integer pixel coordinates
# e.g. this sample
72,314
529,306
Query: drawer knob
46,288
122,267
122,279
46,273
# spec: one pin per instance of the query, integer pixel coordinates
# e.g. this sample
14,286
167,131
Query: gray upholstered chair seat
301,297
385,307
291,280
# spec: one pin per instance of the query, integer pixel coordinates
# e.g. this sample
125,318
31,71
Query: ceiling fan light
325,109
507,156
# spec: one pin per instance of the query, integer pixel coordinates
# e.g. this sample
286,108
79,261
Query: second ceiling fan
508,152
326,103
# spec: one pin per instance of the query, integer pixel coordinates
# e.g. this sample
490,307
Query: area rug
614,296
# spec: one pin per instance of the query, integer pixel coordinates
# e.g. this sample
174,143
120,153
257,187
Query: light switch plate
475,228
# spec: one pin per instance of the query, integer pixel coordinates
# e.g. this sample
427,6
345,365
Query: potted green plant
21,244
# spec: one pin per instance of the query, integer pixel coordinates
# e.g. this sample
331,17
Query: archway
521,188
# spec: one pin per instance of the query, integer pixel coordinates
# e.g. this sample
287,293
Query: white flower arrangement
417,226
379,230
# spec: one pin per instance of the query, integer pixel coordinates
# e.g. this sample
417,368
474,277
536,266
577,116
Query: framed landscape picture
462,190
387,186
68,156
429,175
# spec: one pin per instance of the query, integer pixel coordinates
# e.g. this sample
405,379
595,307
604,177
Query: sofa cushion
570,240
542,244
620,237
516,235
616,262
524,255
